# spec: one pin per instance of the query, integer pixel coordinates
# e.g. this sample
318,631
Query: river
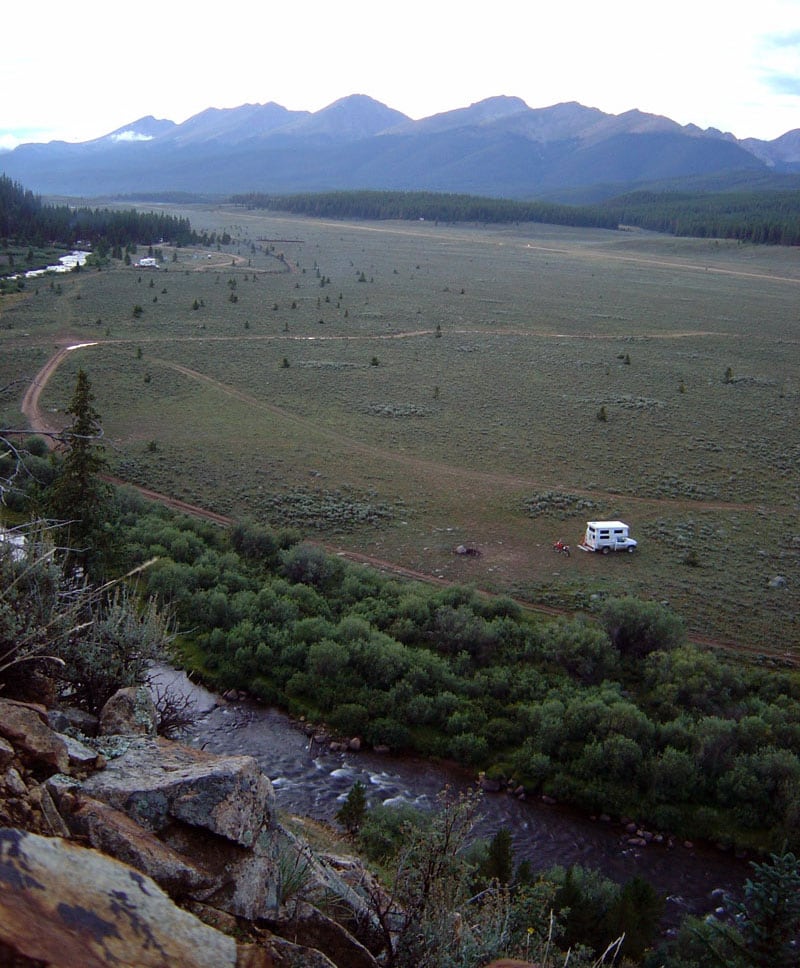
312,781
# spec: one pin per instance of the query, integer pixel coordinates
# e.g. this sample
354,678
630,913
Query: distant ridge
498,147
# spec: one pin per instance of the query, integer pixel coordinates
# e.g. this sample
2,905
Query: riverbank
312,780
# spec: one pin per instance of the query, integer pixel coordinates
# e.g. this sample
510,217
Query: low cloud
780,62
790,38
130,135
11,138
782,83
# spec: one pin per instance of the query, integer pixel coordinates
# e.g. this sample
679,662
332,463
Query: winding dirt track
30,401
40,424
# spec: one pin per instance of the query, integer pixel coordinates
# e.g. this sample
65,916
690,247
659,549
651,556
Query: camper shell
606,536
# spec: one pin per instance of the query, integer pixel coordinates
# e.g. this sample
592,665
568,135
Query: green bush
113,650
349,719
385,829
389,732
638,628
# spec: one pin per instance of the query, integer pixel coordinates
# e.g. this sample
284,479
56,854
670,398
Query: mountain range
497,147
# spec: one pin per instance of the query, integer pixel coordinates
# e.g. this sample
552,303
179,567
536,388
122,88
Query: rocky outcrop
63,904
219,808
157,782
129,839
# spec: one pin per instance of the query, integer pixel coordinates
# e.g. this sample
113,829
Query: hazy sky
76,71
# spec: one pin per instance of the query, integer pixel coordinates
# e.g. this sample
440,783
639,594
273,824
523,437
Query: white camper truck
605,536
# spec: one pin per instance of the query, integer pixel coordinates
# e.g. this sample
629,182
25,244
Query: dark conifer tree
78,496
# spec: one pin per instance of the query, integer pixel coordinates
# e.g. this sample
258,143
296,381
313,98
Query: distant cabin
147,264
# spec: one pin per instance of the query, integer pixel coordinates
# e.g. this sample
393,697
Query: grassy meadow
398,389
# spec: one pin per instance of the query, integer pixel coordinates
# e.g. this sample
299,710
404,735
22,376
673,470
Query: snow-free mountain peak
498,146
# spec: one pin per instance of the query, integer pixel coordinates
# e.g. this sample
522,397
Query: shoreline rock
107,842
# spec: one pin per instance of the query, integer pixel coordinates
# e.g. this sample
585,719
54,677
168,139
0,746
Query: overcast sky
76,71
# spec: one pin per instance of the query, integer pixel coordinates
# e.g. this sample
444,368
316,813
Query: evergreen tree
78,496
499,861
768,918
352,812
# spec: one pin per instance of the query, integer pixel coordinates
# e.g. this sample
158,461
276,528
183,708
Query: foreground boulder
218,808
156,782
63,904
185,855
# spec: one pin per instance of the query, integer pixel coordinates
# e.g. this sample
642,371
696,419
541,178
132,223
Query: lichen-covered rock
216,809
129,712
61,904
157,782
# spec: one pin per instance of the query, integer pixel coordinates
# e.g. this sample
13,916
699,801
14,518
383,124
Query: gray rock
81,756
57,721
157,782
13,784
70,719
216,810
779,581
60,785
129,712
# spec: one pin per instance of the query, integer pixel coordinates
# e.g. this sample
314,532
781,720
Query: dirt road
30,401
40,423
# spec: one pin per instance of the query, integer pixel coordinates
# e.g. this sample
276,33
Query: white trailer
605,536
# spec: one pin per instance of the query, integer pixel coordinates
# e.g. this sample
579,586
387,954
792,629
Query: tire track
40,424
